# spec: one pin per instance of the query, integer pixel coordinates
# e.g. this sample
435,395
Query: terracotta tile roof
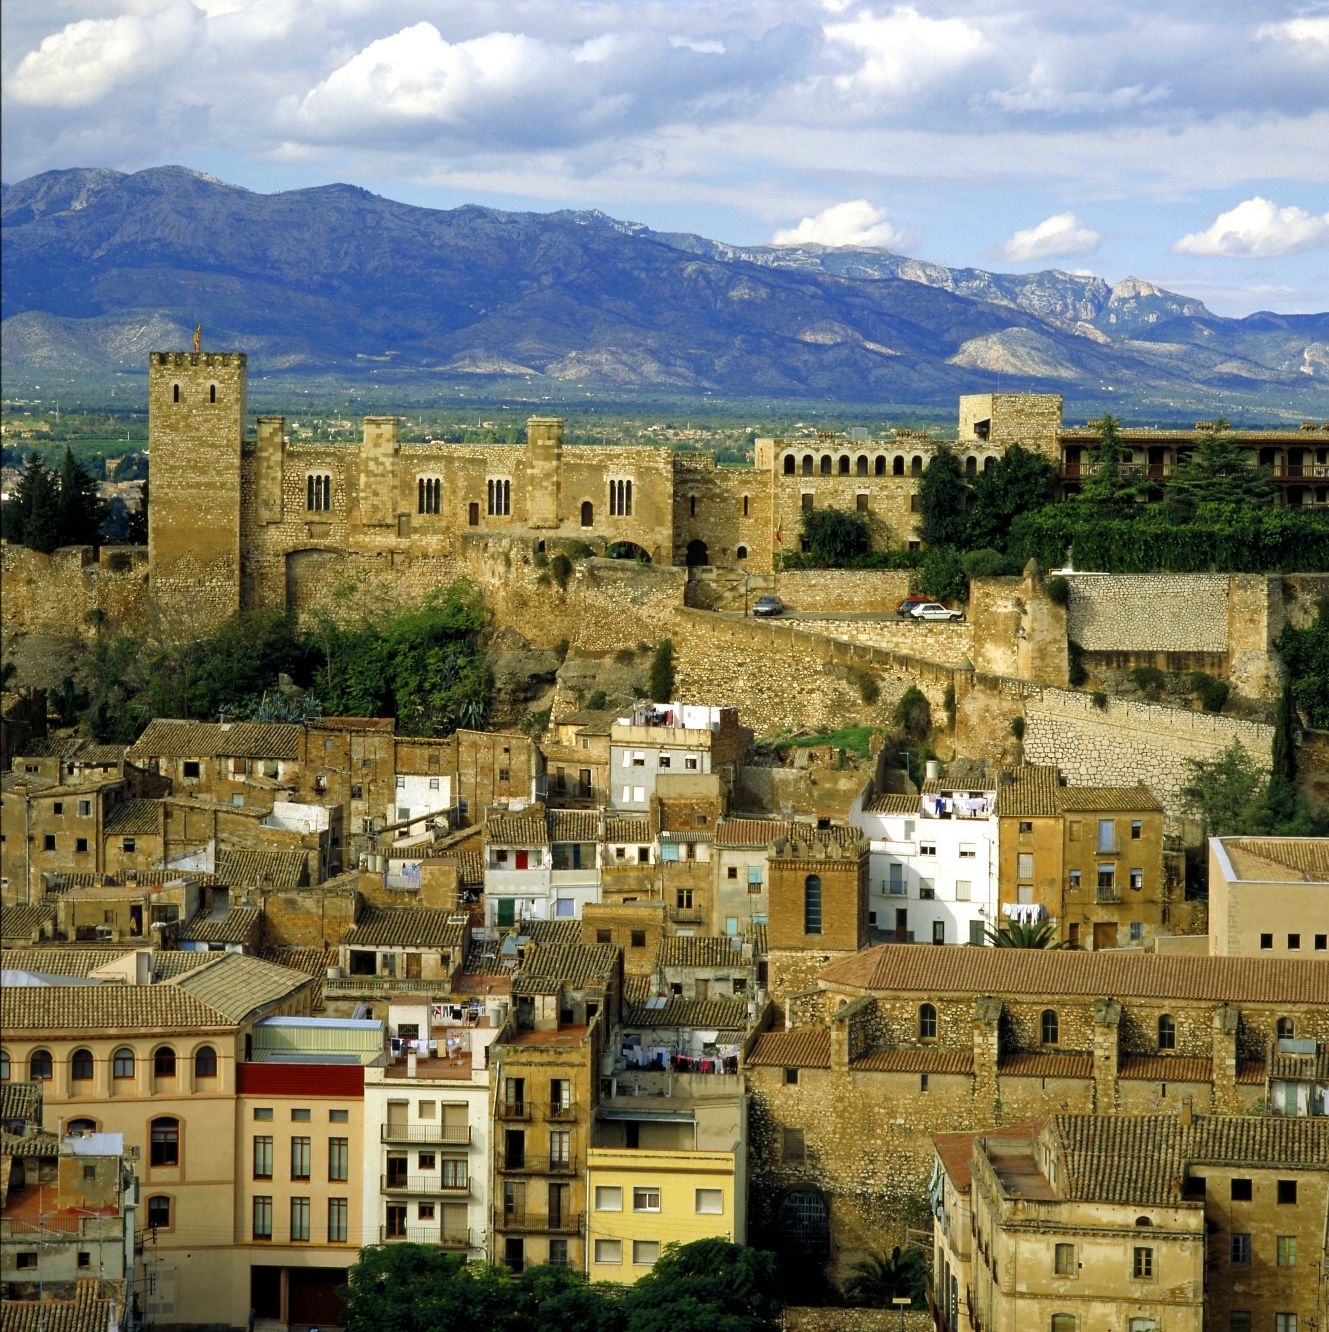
41,1143
750,832
1165,1068
1302,1067
578,966
957,1149
757,933
527,827
21,1100
1250,1071
388,724
81,960
165,738
676,1011
1030,794
1046,1064
52,746
310,961
1003,971
629,829
1279,859
574,825
263,869
552,931
239,925
892,803
803,1047
23,922
98,755
84,1313
411,927
132,818
920,1059
1142,1159
26,783
701,950
470,867
594,721
1086,799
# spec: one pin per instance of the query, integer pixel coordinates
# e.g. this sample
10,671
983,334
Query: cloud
1053,238
86,60
1310,35
1043,92
1258,229
902,53
856,222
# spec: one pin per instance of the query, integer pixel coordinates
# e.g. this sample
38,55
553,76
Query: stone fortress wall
73,590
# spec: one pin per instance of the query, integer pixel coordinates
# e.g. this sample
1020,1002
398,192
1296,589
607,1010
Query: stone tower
196,421
819,891
544,462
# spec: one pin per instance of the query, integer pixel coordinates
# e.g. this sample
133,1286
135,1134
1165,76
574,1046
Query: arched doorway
697,553
627,550
587,514
803,1222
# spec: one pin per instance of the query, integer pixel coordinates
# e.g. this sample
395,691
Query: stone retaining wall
1149,612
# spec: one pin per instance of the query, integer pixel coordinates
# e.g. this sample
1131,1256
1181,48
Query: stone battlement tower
196,420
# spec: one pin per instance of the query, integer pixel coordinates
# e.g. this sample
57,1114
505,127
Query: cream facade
1269,896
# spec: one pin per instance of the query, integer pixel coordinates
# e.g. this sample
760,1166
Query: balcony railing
514,1109
460,1239
1107,894
451,1135
562,1110
428,1184
541,1165
562,1223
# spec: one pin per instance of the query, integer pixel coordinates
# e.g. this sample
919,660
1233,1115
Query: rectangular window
1107,834
80,846
454,1174
339,1158
1240,1249
1137,829
709,1202
1142,1262
1073,880
127,844
1239,1190
792,1146
338,1213
608,1251
1287,1192
645,1252
1024,865
262,1213
1073,830
262,1112
1137,879
48,842
339,1116
300,1116
968,851
263,1158
1239,1320
927,848
754,879
1285,1322
645,1200
895,878
1137,931
1293,942
84,809
1063,1260
299,1218
927,889
608,1198
191,768
300,1158
1287,1251
963,890
1266,941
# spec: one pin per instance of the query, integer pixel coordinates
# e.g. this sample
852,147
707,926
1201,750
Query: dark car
906,607
768,606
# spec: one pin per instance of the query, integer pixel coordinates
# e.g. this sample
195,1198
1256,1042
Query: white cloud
901,53
1044,92
856,222
86,60
1053,238
1258,229
1311,35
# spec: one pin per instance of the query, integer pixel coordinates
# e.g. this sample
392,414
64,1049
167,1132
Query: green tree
662,672
836,537
32,516
1305,652
1018,482
81,506
1023,934
913,715
1106,484
709,1284
137,528
879,1279
421,1288
941,498
1233,797
942,576
1217,476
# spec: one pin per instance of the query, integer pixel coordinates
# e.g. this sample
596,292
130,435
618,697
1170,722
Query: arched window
212,393
620,499
205,1062
803,1220
175,392
861,466
1064,1323
1050,1026
39,1066
1287,1029
826,465
1143,1221
916,465
812,904
77,1126
880,468
122,1063
989,464
163,1062
499,493
844,465
927,1022
807,464
741,553
80,1065
165,1142
971,465
790,465
318,492
897,465
587,514
429,494
1167,1032
4,1066
159,1212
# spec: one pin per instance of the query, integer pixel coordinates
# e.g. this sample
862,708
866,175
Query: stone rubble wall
1149,612
59,593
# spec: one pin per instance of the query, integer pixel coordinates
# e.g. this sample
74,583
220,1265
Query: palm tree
878,1278
1022,934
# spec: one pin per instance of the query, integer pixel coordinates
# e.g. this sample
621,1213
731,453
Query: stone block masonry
74,590
1149,612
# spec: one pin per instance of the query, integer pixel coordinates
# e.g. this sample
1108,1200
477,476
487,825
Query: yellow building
1269,896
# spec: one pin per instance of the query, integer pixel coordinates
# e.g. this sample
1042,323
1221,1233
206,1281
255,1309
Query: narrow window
212,393
175,392
80,1066
1167,1032
1050,1025
165,1142
812,904
927,1022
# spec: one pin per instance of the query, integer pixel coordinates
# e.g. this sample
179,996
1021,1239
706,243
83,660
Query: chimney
1187,1112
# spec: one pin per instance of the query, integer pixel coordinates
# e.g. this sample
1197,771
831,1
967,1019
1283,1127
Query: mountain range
101,267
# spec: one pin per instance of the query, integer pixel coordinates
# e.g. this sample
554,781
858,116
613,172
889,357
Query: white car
934,610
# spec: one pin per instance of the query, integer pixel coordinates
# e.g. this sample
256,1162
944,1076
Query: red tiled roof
920,1059
1165,1068
804,1047
1046,1064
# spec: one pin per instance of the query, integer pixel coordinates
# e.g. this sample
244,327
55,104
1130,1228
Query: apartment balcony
1107,895
539,1165
561,1110
447,1135
460,1239
686,915
513,1110
563,1223
429,1185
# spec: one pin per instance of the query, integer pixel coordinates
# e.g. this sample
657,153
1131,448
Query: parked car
907,605
934,610
768,606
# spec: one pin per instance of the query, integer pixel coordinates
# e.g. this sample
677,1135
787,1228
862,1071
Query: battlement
198,360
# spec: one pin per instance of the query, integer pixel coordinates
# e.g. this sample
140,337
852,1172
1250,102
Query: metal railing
460,1239
561,1223
451,1135
430,1184
514,1109
541,1165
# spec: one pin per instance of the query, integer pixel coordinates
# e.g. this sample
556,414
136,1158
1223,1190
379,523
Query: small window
1239,1190
608,1198
191,768
165,1142
48,842
645,1252
159,1211
1142,1263
339,1116
1050,1026
163,1062
791,1077
26,1258
1285,1029
603,937
1239,1249
1026,828
1137,829
1063,1260
927,1022
609,1251
1293,942
39,1066
1287,1250
709,1202
1287,1192
205,1062
645,1200
263,1112
122,1063
300,1116
127,844
1266,941
638,938
262,1218
80,1065
792,1146
1167,1032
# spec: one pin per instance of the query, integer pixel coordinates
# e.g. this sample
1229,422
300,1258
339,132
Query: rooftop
1278,859
165,738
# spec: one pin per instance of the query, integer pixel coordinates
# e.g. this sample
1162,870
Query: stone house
408,944
1269,896
897,1042
576,753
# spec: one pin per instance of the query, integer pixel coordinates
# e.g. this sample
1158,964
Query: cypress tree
81,507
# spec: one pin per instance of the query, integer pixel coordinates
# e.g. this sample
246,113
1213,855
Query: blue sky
1184,143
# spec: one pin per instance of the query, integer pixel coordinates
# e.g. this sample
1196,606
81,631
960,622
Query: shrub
540,559
579,550
561,649
597,700
913,714
561,568
625,656
662,672
1148,679
1214,694
1075,671
1100,700
868,688
989,563
948,702
1058,590
1017,728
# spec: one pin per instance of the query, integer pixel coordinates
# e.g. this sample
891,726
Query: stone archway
697,553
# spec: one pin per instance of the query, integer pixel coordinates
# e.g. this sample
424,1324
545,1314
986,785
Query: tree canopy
1233,797
941,499
49,510
1216,476
836,536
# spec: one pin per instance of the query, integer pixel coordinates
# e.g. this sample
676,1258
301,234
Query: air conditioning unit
105,934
